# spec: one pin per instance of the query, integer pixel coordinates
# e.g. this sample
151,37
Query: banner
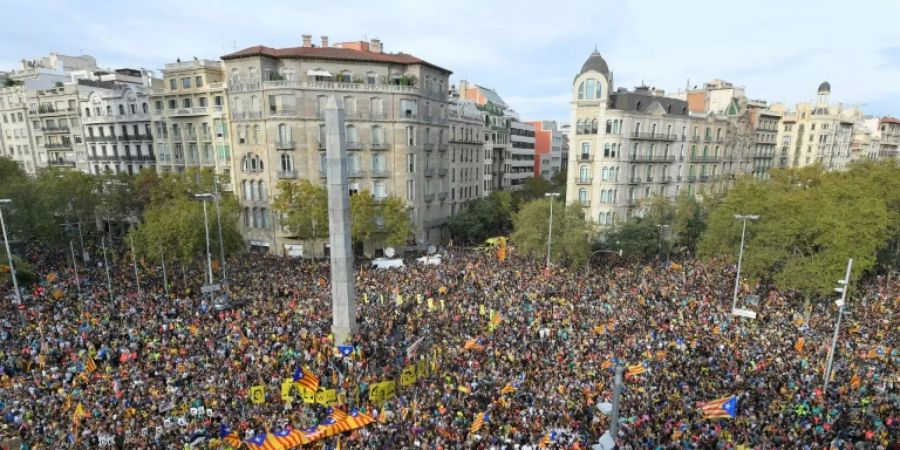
408,376
286,387
382,392
258,394
327,397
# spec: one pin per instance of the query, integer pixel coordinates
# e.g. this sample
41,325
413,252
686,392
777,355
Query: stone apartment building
396,124
629,146
497,145
817,134
190,118
466,150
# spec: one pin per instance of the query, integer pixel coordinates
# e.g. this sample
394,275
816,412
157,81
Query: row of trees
304,210
157,211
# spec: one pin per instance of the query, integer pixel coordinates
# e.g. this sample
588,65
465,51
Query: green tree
639,237
810,223
484,218
571,234
533,188
64,196
379,222
304,209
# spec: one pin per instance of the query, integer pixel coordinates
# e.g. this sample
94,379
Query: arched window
246,217
121,110
638,105
581,91
582,196
591,89
610,218
262,191
585,150
284,133
608,126
579,127
602,219
584,172
594,124
606,150
287,162
245,187
145,108
604,174
108,110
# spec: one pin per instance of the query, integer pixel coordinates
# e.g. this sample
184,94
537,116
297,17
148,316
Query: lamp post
75,267
737,277
552,195
845,284
12,267
219,226
137,280
203,198
660,227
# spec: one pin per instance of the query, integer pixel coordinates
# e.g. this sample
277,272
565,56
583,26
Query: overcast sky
529,51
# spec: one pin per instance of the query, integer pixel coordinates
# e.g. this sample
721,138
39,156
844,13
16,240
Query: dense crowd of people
139,369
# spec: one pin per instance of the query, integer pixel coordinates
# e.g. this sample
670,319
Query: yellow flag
430,304
442,304
408,376
482,310
365,298
382,298
258,394
418,299
399,300
286,386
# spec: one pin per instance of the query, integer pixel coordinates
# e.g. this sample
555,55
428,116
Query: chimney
375,46
324,41
307,40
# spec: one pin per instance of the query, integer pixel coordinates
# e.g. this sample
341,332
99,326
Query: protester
123,370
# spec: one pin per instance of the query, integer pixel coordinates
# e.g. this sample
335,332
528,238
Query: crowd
137,369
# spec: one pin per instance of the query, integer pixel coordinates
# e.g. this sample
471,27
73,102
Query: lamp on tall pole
845,284
203,198
106,266
137,280
12,267
660,227
737,277
219,225
552,195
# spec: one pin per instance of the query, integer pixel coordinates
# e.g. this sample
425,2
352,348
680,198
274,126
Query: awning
318,73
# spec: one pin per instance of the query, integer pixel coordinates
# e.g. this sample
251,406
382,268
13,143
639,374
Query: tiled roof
335,53
888,119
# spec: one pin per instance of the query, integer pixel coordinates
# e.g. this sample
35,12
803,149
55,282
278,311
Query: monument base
343,335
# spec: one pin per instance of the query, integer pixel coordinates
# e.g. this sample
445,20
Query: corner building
396,123
629,146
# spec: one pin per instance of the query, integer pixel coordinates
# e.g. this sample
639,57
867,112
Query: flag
508,389
264,441
721,408
545,441
480,420
90,366
496,319
337,414
306,379
289,438
855,381
636,369
799,345
232,439
473,344
606,364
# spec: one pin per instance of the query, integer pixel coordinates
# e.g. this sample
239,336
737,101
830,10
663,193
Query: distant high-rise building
549,144
466,150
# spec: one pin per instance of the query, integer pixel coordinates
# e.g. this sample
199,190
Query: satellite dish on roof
432,249
390,252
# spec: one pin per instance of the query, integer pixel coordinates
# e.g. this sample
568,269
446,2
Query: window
410,135
186,102
186,83
321,136
284,133
198,81
251,163
378,189
586,150
287,162
377,135
371,78
173,104
410,190
584,173
410,163
582,196
173,84
352,137
408,108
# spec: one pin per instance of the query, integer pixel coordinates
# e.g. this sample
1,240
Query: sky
528,51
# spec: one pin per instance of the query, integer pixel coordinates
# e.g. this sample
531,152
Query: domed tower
593,81
823,93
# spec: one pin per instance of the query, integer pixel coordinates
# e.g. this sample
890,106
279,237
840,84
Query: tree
810,223
638,237
63,196
571,234
383,222
533,188
304,209
484,218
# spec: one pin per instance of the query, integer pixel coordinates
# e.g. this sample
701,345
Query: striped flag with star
307,379
720,408
480,420
89,365
799,344
636,369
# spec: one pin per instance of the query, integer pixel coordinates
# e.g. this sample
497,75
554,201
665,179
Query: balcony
283,113
443,172
634,180
287,174
691,178
584,202
585,158
192,137
54,129
704,178
134,137
665,180
284,145
376,116
355,173
429,172
442,196
58,146
188,112
61,163
321,145
380,173
653,136
443,148
100,139
354,145
227,187
649,179
429,198
704,158
583,180
378,146
254,115
644,157
408,115
428,146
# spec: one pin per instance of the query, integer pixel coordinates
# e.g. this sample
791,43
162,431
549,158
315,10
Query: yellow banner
422,368
408,376
382,392
309,397
286,387
258,394
327,397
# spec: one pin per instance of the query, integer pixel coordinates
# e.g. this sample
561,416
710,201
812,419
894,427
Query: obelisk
343,303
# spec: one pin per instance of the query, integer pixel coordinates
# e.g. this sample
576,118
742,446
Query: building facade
520,159
190,120
396,124
889,138
466,150
817,134
630,146
550,142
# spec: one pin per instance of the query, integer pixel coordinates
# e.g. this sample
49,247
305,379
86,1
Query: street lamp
203,198
552,195
737,277
12,268
661,227
845,284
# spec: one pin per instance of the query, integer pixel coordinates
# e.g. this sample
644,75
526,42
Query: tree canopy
484,218
571,233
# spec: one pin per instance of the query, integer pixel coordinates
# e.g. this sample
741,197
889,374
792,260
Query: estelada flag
799,344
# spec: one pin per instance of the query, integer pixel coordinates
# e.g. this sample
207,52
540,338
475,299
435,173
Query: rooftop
332,53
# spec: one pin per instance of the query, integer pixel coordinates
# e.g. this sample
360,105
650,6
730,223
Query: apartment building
16,142
496,142
520,158
817,134
634,145
763,130
550,142
56,126
115,114
889,138
396,125
190,118
466,150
